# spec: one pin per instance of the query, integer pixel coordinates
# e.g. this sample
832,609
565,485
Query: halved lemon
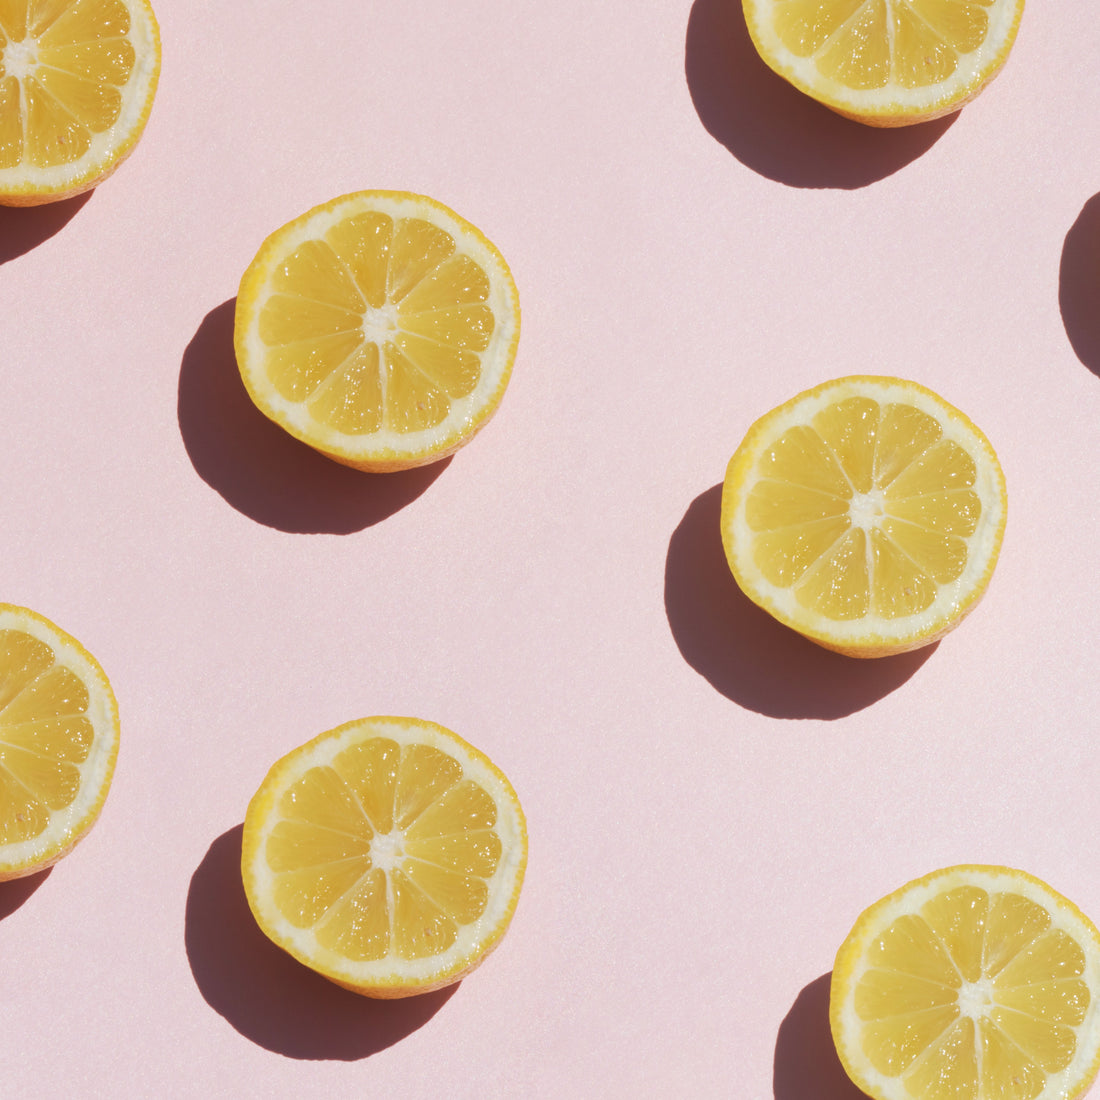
387,855
886,62
77,80
58,741
866,513
972,983
379,328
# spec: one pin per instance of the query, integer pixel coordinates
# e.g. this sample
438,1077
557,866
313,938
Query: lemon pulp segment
379,323
385,850
865,510
62,68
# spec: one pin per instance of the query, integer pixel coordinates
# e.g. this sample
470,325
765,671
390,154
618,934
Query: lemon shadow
806,1065
261,470
16,891
776,130
747,655
1079,285
271,998
24,228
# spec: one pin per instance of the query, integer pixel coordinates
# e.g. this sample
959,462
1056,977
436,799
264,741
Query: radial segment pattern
867,509
384,853
379,324
977,996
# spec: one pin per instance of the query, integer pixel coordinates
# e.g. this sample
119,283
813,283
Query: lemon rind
848,968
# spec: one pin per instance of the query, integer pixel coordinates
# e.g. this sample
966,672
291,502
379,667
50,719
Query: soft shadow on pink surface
271,998
1079,285
743,652
25,227
261,470
773,128
806,1063
15,892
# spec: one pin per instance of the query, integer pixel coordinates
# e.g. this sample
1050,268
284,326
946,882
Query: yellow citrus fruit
58,741
379,328
972,983
866,513
386,854
77,80
886,62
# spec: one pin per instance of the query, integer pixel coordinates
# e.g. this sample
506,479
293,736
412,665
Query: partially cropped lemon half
77,81
971,983
866,513
886,62
380,328
387,855
58,741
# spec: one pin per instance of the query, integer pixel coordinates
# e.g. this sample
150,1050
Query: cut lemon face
886,62
77,80
386,854
972,983
58,741
866,514
379,328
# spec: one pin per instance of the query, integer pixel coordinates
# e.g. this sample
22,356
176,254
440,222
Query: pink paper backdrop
711,800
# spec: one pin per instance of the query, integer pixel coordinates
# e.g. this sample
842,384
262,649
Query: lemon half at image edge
971,983
387,855
379,328
886,62
59,735
77,81
866,513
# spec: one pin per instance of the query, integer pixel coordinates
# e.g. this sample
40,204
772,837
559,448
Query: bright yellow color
886,62
77,80
58,741
972,983
386,854
866,514
379,328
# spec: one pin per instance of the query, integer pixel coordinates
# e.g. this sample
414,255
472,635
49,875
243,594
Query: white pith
976,999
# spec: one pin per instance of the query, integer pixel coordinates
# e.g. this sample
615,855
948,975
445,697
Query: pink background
711,800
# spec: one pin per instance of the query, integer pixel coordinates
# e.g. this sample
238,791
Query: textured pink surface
711,800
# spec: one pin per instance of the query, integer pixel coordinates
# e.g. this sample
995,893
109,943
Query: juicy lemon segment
972,983
77,80
58,741
866,513
379,328
387,854
886,62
